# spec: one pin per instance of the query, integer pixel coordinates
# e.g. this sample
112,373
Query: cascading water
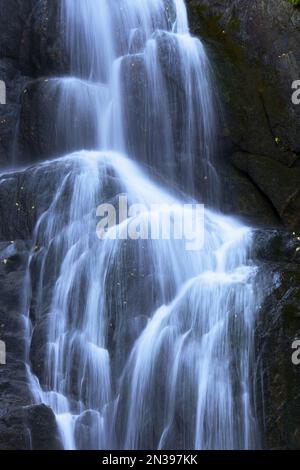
148,345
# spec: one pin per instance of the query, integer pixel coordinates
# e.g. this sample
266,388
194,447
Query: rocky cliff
254,47
255,50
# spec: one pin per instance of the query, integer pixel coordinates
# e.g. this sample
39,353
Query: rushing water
148,345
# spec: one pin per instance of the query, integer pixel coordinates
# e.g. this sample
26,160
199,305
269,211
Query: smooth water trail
147,344
155,95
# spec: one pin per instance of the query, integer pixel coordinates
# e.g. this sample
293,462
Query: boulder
241,197
29,428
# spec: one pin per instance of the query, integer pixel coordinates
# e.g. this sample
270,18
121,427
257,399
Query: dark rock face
13,17
29,427
31,45
13,383
8,124
23,196
263,36
279,183
43,430
9,113
30,34
43,52
255,49
278,327
57,117
14,81
22,424
243,198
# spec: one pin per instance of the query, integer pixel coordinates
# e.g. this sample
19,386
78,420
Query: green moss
277,140
294,2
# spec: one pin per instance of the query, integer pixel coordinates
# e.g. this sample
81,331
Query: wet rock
31,45
165,128
22,424
13,79
243,199
279,183
255,55
57,118
278,326
14,433
9,112
25,195
13,18
43,428
260,42
42,52
29,428
14,388
135,93
9,116
277,245
39,347
13,264
38,121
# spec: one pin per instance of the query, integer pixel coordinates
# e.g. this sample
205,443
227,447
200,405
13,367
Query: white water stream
149,345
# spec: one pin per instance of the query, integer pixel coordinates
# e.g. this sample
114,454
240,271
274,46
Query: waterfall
147,344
